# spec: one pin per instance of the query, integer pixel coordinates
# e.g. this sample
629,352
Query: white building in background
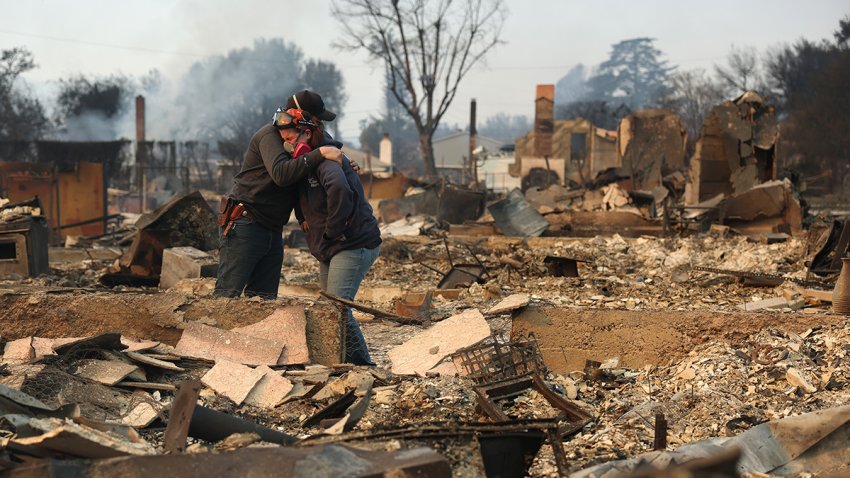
451,151
386,151
493,170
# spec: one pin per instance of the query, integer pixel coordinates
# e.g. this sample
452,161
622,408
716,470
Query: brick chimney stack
544,113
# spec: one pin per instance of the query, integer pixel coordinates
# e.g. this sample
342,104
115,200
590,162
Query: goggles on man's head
291,118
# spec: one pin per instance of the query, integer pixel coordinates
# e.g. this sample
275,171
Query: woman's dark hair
318,130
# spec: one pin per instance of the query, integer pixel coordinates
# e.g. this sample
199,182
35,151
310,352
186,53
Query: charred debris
623,312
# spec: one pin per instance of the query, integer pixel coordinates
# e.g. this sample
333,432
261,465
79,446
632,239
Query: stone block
205,342
21,350
270,390
184,263
232,380
429,347
288,326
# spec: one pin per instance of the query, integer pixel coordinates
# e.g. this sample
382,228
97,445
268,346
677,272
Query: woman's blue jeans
341,276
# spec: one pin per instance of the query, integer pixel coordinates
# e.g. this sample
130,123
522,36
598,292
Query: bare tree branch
426,46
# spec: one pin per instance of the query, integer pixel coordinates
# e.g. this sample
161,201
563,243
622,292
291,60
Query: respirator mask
293,118
297,149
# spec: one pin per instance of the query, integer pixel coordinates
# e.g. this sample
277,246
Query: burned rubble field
638,333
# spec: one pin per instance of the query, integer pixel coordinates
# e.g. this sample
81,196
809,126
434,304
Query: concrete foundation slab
429,347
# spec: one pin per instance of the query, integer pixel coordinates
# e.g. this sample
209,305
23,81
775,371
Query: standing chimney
544,111
140,119
140,151
386,151
473,139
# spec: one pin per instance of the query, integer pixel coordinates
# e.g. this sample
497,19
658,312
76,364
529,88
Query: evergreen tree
634,75
573,86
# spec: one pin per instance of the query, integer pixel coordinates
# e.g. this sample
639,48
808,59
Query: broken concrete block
378,295
352,416
312,374
298,391
718,230
299,290
287,326
205,342
328,391
763,200
448,294
237,441
359,380
44,346
142,415
232,380
385,395
107,372
429,347
185,263
72,439
144,359
446,369
772,303
134,345
200,287
819,295
796,378
270,390
137,375
509,303
20,350
614,198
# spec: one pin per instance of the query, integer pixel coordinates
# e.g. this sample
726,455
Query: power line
133,48
106,45
353,66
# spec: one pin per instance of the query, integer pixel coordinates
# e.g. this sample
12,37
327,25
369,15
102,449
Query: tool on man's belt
228,212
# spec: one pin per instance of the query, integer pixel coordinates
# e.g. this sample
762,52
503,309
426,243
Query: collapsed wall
159,317
736,149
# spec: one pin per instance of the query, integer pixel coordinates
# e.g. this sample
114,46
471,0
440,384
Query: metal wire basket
495,360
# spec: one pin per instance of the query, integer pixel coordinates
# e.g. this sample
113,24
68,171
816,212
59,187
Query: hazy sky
544,38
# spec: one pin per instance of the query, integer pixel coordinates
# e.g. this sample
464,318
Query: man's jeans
341,277
250,258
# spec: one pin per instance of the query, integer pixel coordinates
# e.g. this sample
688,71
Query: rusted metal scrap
507,448
460,275
562,266
831,246
504,370
335,409
180,416
299,462
414,304
515,217
495,360
212,425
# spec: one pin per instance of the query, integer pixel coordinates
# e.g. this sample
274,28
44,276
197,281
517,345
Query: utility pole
140,152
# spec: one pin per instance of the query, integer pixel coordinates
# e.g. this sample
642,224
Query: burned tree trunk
426,148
